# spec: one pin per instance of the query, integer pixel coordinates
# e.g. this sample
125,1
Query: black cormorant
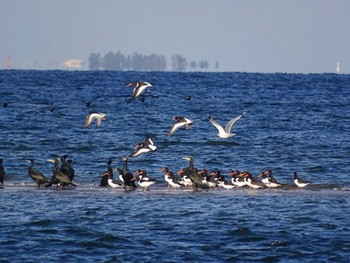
61,177
128,178
38,177
107,174
192,172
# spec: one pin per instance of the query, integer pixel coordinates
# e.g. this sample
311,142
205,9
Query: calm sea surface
293,122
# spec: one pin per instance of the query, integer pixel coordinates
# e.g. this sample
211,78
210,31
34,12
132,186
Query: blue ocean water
292,122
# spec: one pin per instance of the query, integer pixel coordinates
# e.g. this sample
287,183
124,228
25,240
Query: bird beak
51,160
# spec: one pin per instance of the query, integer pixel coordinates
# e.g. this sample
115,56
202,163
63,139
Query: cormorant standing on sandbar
62,178
38,177
107,174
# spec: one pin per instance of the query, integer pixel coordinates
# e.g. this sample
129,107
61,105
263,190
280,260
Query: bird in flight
225,133
139,88
99,116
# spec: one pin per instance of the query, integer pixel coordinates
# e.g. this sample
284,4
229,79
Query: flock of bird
188,177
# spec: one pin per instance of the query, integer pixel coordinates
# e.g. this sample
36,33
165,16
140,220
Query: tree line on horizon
138,62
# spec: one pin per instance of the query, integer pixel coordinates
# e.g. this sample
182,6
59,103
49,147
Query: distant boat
338,68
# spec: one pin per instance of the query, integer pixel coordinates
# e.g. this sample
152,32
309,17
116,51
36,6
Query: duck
180,121
2,173
139,88
144,147
300,182
143,179
225,133
98,116
269,180
37,177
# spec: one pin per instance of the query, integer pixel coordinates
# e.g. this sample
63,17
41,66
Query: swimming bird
38,177
179,122
269,180
62,178
127,176
139,88
145,147
99,116
225,133
143,179
300,182
2,173
107,174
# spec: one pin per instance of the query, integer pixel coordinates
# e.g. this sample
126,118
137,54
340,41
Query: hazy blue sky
243,35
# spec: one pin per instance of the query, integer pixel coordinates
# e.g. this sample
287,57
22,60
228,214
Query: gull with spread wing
225,133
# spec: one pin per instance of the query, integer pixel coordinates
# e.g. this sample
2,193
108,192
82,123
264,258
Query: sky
291,36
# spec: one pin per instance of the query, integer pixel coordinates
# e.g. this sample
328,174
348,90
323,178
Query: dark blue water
293,122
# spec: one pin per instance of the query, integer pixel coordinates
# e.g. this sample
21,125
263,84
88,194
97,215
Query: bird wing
139,151
231,122
175,127
216,125
38,175
88,120
98,121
